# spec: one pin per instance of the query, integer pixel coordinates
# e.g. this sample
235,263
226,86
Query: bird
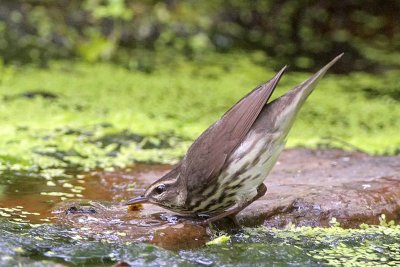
224,169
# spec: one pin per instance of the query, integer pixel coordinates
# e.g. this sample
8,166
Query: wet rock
306,188
310,187
75,210
188,235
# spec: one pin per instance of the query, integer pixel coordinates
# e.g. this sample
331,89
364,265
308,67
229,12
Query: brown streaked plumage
224,169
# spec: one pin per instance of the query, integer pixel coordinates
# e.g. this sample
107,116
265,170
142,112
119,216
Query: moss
102,115
370,245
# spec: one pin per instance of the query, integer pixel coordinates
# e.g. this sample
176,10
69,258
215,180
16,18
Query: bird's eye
160,189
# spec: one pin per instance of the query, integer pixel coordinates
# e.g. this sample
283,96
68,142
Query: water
36,230
50,243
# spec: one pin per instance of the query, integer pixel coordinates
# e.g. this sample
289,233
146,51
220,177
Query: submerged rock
112,223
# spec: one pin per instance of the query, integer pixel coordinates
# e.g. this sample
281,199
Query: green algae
299,246
223,239
75,115
369,245
103,115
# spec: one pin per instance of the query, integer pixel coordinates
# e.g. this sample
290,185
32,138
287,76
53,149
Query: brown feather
207,155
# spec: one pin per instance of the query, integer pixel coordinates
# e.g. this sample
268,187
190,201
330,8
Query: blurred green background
304,33
101,83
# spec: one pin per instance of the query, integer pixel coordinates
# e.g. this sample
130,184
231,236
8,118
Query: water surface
36,230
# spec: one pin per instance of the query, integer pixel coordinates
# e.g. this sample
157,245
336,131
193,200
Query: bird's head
167,192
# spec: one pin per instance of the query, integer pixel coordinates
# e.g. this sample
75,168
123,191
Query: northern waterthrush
224,169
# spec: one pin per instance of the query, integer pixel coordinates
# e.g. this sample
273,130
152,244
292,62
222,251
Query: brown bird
224,169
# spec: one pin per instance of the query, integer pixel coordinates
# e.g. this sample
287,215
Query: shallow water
36,230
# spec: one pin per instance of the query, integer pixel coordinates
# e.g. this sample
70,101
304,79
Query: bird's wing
207,155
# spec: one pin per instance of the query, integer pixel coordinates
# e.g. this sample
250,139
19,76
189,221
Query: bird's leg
261,190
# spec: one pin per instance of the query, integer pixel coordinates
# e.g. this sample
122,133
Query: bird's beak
136,200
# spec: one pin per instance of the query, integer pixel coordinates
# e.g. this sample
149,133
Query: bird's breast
245,170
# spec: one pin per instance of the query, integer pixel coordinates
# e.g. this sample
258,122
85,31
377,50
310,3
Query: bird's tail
287,106
305,88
